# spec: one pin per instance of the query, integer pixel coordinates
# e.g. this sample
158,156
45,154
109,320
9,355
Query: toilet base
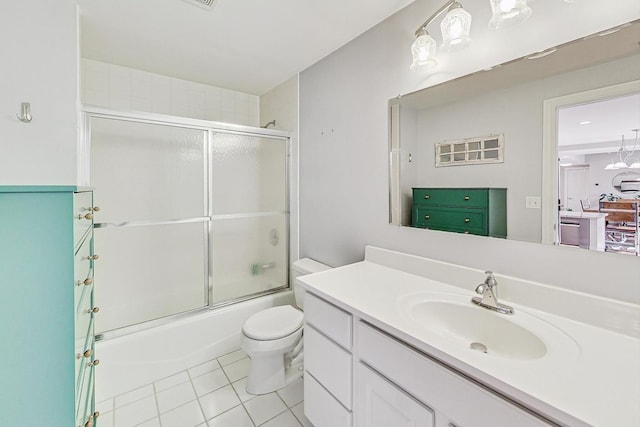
270,374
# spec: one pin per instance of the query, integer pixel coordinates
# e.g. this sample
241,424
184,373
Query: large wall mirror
529,104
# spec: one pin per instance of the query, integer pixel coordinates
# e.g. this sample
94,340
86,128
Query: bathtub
140,358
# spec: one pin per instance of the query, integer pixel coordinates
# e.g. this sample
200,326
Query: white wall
124,89
39,48
344,148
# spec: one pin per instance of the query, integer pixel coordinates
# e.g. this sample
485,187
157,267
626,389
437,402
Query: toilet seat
273,323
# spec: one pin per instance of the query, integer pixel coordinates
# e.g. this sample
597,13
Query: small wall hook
25,113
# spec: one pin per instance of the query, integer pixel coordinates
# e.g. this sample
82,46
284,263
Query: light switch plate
533,202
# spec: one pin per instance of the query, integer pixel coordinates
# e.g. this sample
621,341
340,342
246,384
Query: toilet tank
303,267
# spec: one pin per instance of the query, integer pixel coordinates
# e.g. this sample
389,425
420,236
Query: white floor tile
236,417
286,419
134,395
264,407
240,387
231,357
293,393
209,382
219,401
175,396
171,381
211,365
135,413
188,415
155,422
238,369
298,411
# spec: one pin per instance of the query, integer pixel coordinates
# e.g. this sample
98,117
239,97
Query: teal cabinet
481,211
46,308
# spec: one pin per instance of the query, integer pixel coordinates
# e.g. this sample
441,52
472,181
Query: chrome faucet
489,291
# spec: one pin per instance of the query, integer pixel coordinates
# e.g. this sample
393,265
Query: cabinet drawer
466,197
381,404
438,386
82,206
329,319
329,364
472,221
321,408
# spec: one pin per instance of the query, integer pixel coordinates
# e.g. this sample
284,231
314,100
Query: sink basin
517,337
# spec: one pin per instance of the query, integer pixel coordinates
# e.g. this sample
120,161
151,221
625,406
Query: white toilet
272,338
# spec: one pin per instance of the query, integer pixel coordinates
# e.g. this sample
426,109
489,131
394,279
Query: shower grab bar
144,223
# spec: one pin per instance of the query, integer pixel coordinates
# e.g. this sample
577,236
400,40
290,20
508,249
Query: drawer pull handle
97,414
466,197
93,257
427,216
94,363
466,220
86,216
426,196
87,353
95,209
93,310
86,281
89,423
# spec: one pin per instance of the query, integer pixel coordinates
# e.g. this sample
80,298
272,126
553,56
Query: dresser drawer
329,319
471,404
472,221
329,364
322,409
465,197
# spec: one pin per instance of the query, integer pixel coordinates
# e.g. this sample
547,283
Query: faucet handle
489,272
480,289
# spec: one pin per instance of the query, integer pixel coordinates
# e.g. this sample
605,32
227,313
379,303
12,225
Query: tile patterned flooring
208,395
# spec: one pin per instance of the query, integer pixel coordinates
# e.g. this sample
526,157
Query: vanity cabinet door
382,404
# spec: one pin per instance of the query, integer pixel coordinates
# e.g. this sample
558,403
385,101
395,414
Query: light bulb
423,51
508,12
455,29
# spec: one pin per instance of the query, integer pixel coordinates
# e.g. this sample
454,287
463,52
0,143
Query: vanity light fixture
624,160
455,28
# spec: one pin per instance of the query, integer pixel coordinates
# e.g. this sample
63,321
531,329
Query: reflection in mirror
506,100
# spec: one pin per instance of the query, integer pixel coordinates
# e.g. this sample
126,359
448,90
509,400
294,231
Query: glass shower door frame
211,128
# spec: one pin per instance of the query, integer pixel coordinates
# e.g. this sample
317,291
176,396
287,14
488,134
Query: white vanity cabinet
379,381
455,400
328,363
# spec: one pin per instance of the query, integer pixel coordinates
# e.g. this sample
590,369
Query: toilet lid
273,323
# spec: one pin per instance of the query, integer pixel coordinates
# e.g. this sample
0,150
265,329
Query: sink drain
478,347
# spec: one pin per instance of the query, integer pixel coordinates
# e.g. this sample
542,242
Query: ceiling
246,45
598,127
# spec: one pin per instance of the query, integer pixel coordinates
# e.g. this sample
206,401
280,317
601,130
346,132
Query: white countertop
583,215
593,379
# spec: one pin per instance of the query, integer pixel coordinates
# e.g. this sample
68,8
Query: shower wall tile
117,87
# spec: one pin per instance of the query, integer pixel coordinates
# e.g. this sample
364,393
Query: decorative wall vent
470,151
205,4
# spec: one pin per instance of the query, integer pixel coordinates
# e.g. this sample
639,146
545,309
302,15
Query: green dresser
481,211
47,307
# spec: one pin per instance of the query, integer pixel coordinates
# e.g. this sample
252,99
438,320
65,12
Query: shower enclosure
193,215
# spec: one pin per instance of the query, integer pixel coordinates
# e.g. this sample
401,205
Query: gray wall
344,154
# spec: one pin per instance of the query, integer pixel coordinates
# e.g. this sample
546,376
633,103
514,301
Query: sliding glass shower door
190,217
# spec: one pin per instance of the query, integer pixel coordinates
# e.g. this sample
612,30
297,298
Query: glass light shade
423,51
508,12
455,29
620,165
